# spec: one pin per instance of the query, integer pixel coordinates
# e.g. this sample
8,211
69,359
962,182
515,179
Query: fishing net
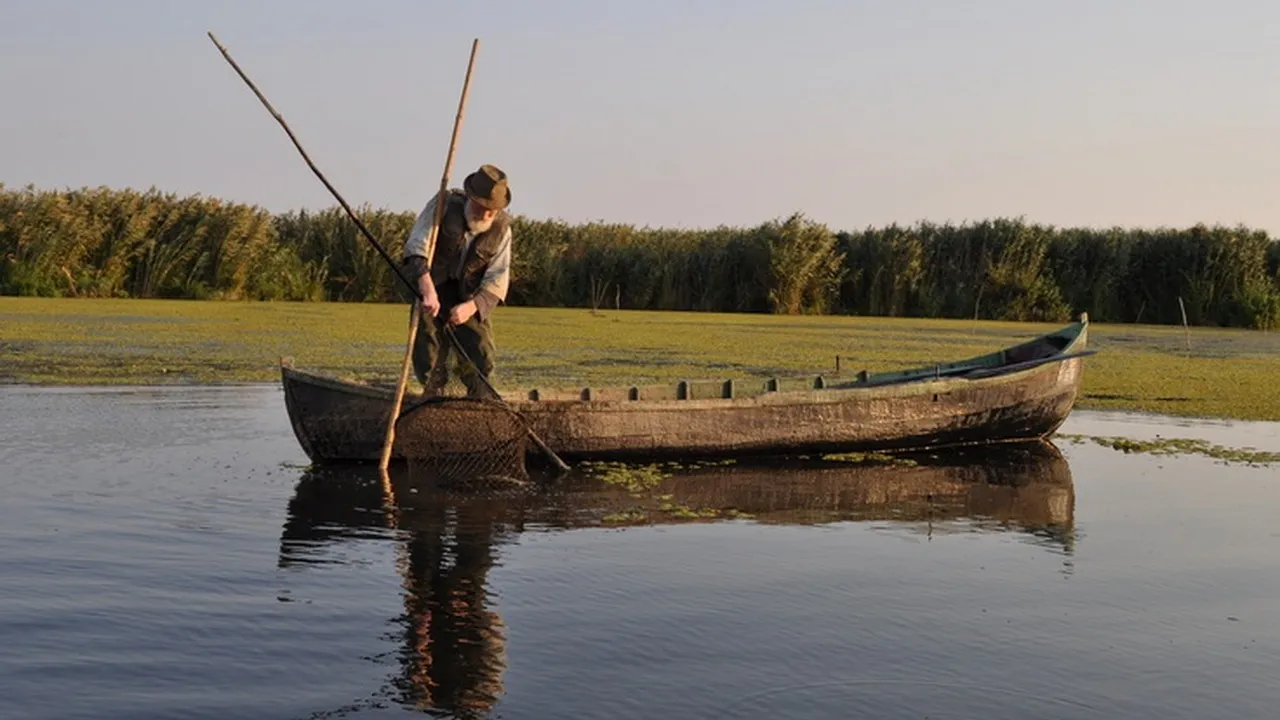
461,439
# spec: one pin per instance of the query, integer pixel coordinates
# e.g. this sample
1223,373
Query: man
466,278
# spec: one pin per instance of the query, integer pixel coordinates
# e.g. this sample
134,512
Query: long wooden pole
333,191
416,315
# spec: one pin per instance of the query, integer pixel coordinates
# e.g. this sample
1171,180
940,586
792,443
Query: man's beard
478,226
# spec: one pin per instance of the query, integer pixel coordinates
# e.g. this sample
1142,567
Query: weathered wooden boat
1022,392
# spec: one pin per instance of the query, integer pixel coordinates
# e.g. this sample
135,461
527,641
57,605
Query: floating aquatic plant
1179,446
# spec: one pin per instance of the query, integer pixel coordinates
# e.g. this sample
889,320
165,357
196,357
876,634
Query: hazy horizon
697,114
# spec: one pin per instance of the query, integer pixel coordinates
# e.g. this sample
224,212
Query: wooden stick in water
441,201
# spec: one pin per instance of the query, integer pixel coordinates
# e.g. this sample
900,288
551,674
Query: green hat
487,187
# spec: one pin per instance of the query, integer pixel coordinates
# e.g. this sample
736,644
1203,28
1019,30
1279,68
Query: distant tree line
125,243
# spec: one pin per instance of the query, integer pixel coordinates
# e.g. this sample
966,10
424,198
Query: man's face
478,218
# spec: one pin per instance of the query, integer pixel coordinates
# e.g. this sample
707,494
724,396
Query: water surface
166,554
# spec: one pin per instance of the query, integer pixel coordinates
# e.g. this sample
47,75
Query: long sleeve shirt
497,278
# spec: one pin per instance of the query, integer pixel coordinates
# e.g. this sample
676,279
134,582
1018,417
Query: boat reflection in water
453,654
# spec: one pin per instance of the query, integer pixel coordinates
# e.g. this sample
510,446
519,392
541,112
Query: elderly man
467,276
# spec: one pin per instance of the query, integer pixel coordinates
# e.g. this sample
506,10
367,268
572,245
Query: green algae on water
642,484
870,458
1180,446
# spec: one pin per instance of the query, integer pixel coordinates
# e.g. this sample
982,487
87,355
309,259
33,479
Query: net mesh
460,439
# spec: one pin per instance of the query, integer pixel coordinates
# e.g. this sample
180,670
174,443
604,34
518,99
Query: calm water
164,555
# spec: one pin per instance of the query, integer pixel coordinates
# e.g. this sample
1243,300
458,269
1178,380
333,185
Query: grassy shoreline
1225,374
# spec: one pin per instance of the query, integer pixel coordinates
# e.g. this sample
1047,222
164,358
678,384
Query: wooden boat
1022,392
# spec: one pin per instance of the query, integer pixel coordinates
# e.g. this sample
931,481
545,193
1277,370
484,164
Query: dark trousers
433,349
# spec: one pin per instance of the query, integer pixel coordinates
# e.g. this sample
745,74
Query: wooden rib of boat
1022,392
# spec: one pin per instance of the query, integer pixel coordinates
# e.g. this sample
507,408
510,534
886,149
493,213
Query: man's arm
497,279
415,247
415,257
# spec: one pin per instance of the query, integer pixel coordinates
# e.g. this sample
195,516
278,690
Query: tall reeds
124,243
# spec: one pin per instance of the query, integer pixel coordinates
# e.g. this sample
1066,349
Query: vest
450,241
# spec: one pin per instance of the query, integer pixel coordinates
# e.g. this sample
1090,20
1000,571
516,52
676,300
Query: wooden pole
307,158
442,197
1185,328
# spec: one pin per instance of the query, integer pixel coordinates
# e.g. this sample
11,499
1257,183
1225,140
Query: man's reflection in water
451,648
456,646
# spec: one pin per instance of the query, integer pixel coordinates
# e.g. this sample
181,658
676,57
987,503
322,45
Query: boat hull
336,421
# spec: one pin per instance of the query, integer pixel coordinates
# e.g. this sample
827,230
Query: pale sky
661,113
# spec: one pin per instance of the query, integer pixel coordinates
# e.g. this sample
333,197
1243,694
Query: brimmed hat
487,187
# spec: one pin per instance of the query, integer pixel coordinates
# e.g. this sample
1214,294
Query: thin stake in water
441,200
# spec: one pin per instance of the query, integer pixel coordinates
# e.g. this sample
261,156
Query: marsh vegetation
110,243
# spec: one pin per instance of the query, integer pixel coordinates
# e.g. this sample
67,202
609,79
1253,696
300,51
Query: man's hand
430,301
462,312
